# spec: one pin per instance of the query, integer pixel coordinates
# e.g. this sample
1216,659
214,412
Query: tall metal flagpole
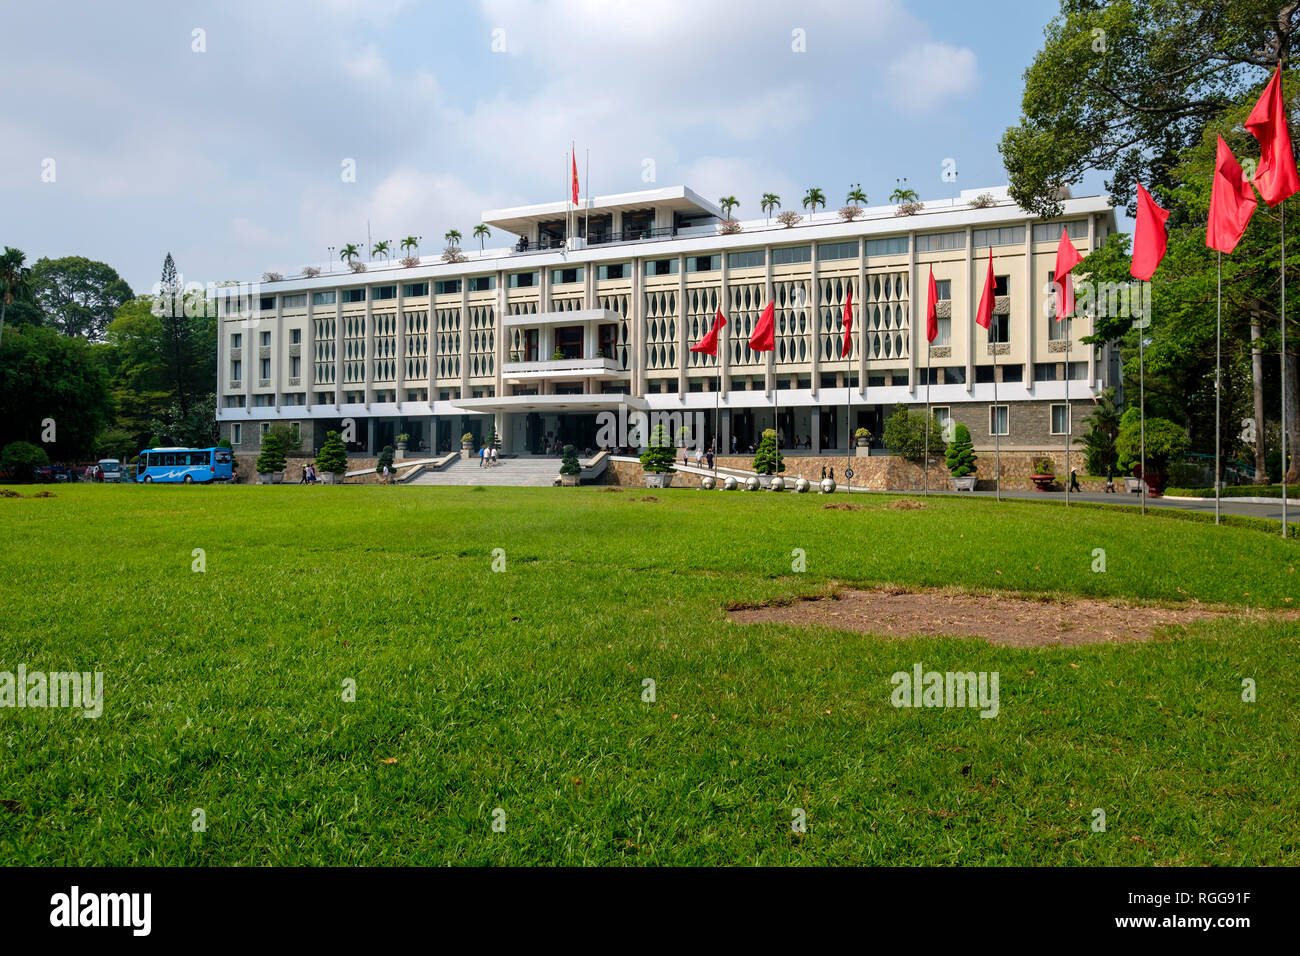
1069,334
1142,403
928,413
997,432
1218,384
1284,468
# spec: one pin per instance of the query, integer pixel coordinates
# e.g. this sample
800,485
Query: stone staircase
508,471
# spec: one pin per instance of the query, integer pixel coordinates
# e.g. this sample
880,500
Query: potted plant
1165,441
960,459
270,463
1044,474
557,355
767,460
332,460
658,460
402,441
467,445
570,467
862,438
385,460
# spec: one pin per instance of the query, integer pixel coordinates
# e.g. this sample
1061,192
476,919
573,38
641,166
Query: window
236,370
354,295
1013,373
530,345
263,401
236,339
898,377
998,420
695,385
1079,371
234,401
267,303
1060,424
385,292
295,336
1058,330
568,388
752,259
298,301
447,287
570,274
876,380
789,255
1003,236
837,250
1001,285
703,263
322,298
415,290
614,270
984,374
954,375
236,434
943,288
1051,231
568,341
608,333
482,283
939,241
296,428
827,380
266,368
652,386
266,427
887,247
522,280
295,366
264,339
293,398
1044,371
661,267
943,330
1000,328
942,415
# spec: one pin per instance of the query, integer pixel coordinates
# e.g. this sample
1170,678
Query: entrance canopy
566,404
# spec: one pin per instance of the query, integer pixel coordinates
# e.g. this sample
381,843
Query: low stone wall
293,470
886,472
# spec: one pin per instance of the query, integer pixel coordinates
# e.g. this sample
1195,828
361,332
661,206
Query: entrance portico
530,424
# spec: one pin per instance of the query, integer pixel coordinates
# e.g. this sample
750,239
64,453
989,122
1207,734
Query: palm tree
813,198
348,253
380,249
13,280
904,194
770,201
481,232
856,196
453,237
728,203
409,243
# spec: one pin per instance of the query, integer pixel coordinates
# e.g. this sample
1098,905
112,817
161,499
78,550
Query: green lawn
522,690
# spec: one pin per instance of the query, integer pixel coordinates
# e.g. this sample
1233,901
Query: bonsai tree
333,457
21,459
570,465
659,456
385,458
272,459
905,435
1044,466
960,457
767,460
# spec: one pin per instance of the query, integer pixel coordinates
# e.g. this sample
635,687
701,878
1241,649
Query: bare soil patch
1009,619
906,504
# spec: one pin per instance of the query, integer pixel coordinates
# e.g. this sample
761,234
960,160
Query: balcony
597,367
549,243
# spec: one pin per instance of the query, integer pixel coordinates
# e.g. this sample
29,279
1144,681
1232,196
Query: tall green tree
14,282
52,386
79,296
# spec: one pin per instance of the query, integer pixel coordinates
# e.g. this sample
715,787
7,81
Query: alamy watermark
977,690
624,429
39,689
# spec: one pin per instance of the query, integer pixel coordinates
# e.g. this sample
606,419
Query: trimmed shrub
960,457
767,459
570,464
333,457
659,455
385,458
905,435
272,459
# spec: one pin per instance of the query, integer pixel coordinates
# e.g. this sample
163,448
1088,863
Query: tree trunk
1257,380
1292,400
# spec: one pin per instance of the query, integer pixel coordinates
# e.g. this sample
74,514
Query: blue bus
184,464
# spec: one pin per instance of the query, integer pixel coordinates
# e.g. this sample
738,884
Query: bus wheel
148,479
189,479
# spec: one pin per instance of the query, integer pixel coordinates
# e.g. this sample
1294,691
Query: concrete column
338,348
1031,313
817,429
724,340
401,349
860,316
636,311
369,393
815,314
464,338
770,369
682,341
972,283
500,334
1092,353
277,351
309,353
914,336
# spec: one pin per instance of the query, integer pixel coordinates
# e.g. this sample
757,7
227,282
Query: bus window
223,456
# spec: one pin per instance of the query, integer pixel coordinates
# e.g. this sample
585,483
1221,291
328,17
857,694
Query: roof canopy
678,198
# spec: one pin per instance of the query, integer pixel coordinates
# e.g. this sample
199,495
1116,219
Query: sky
226,132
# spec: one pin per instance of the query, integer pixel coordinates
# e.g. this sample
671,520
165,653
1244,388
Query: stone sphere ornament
752,483
801,485
729,483
828,486
708,483
778,484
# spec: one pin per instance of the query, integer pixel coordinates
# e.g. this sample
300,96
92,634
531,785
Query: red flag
848,324
1232,202
1275,176
1067,257
1149,236
575,177
763,338
709,344
984,316
932,307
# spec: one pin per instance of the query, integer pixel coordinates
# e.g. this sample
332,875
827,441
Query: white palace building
538,338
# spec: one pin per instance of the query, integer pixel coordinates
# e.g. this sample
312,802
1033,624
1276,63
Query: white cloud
928,74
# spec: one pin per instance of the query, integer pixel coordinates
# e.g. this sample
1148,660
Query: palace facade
596,312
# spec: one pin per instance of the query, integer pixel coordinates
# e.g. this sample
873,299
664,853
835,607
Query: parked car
112,469
49,474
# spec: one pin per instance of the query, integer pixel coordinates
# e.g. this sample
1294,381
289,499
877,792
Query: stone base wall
887,472
293,470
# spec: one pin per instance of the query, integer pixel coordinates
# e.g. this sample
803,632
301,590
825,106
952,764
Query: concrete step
537,472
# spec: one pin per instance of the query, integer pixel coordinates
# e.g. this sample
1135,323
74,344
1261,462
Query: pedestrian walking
1074,480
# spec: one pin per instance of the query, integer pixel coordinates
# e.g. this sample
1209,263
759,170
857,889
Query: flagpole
1218,383
1142,411
928,413
1069,334
997,439
1261,431
717,411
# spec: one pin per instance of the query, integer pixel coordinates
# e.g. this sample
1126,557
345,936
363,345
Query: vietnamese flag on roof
575,176
763,338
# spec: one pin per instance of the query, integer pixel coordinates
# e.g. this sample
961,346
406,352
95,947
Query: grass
1237,491
522,690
